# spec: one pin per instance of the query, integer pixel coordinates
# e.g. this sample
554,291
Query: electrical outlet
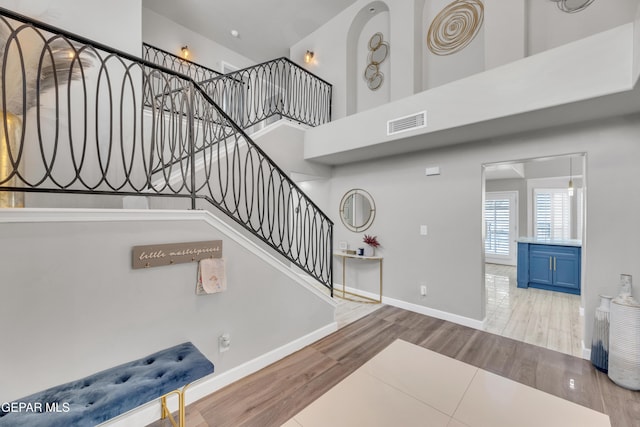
224,342
423,290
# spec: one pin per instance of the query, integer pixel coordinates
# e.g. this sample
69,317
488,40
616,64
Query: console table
362,298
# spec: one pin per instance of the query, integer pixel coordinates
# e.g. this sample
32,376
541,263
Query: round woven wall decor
572,6
455,27
378,52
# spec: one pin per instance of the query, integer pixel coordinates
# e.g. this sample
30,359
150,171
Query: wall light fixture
308,57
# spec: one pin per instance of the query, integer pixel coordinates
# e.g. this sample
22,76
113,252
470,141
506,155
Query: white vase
369,250
624,338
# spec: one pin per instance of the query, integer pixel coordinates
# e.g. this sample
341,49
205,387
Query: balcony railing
74,120
165,59
276,88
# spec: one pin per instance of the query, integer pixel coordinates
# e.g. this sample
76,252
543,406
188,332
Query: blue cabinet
551,267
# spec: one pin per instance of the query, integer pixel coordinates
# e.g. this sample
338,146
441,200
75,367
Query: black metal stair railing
74,120
188,68
276,88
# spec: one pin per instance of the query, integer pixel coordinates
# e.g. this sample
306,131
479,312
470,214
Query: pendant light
570,177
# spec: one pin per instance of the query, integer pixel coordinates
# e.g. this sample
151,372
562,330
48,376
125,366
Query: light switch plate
423,230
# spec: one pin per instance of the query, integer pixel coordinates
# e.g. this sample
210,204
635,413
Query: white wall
71,304
553,78
504,32
439,70
114,23
636,45
283,142
449,258
329,43
510,31
366,97
549,27
165,34
404,22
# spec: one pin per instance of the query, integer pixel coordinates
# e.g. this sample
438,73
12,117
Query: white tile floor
350,311
408,385
347,311
544,318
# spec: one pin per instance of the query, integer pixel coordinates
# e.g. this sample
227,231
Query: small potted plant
372,244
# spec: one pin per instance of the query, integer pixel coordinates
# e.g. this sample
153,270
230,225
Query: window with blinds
552,214
497,213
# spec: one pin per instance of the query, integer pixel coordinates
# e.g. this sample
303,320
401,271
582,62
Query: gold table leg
361,298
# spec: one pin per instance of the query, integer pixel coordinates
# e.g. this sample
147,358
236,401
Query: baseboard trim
421,309
586,352
216,382
150,412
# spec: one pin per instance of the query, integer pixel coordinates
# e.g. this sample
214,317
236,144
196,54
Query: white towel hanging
212,276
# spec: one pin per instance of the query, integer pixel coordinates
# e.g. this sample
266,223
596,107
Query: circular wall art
572,6
375,41
455,27
378,52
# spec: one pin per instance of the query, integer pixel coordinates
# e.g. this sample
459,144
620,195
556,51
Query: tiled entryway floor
409,385
535,316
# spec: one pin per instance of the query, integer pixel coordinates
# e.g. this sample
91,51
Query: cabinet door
567,269
523,265
540,266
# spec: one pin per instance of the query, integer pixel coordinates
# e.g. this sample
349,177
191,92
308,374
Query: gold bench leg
166,413
183,411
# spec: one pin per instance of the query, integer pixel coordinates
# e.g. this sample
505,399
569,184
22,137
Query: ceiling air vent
403,124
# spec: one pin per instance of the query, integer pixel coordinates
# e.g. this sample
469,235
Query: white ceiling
267,28
504,171
544,167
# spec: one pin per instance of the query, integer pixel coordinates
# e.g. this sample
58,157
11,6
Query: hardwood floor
544,318
273,395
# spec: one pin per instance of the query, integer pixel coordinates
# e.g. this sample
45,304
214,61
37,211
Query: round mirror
357,210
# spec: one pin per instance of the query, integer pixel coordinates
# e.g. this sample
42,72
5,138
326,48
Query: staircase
84,119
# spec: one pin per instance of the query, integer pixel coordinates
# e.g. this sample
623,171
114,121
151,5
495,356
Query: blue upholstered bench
107,394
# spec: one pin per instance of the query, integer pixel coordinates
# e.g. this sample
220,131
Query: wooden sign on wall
174,253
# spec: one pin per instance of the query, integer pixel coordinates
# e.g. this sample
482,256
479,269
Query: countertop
557,242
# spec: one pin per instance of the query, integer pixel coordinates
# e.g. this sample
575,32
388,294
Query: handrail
93,133
183,66
279,87
261,64
275,88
